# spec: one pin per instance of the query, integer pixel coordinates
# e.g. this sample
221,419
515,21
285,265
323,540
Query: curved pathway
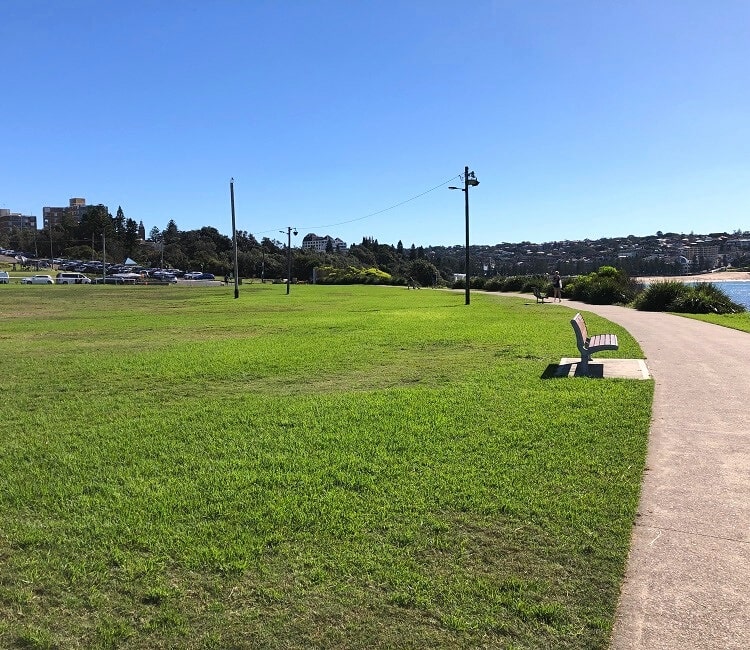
687,582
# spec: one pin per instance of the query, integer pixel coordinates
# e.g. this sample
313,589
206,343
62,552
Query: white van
72,278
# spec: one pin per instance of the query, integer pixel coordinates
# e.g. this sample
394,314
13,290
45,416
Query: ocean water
739,292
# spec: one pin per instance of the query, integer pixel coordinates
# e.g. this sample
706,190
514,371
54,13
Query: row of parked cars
169,275
73,277
77,271
61,278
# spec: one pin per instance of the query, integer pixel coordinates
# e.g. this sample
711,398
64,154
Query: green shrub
537,282
703,298
514,283
607,291
606,286
659,296
352,275
494,284
609,272
578,289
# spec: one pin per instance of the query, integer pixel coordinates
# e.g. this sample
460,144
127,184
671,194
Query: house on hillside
311,241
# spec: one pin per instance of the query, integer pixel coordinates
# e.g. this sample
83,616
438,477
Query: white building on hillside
311,241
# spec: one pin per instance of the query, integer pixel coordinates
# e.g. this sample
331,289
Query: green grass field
344,467
734,321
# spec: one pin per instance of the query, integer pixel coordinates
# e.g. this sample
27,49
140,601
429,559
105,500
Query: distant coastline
719,276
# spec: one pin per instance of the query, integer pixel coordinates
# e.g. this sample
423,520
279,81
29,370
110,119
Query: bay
738,292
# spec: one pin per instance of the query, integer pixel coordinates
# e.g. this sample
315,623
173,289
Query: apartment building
9,220
53,216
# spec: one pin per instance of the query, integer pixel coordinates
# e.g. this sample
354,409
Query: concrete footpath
687,582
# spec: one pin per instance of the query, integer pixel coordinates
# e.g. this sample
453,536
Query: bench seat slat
603,342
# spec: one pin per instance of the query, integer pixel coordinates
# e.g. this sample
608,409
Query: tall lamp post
289,231
470,180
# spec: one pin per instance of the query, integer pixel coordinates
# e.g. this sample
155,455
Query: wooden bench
538,295
588,345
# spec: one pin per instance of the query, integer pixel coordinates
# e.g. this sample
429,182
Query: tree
119,222
95,222
246,241
423,272
269,245
363,254
171,234
130,238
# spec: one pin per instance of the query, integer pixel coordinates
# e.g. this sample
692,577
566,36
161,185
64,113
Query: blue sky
580,118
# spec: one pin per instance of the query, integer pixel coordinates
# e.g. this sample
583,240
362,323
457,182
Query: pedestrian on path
557,287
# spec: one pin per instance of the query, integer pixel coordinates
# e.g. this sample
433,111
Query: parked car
69,277
38,279
110,279
164,276
4,277
206,276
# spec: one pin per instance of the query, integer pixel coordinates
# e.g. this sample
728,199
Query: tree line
98,234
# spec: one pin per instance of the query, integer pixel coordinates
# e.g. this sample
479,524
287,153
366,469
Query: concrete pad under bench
605,368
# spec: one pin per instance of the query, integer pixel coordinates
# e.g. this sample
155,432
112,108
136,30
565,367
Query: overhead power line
373,214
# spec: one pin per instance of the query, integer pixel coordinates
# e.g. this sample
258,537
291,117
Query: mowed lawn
343,467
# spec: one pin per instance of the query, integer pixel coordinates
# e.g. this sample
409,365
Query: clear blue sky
580,118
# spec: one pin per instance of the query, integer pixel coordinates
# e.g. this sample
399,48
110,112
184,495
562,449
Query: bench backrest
579,327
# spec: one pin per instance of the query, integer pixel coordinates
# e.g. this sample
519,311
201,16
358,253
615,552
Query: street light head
473,182
294,232
454,188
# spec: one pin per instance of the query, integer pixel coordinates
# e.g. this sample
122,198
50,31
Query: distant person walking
557,287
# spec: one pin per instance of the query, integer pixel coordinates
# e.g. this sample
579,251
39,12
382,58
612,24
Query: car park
38,279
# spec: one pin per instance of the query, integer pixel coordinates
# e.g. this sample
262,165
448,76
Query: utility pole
470,180
51,256
234,239
289,230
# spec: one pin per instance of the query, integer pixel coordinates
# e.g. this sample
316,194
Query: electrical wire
372,214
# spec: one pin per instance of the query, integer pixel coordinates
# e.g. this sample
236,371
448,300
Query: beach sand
719,276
